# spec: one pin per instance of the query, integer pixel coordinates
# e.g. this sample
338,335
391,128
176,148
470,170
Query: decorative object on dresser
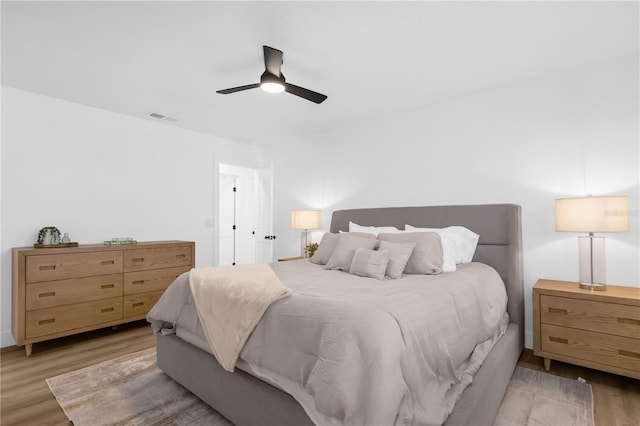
305,220
592,214
63,291
120,241
49,237
595,330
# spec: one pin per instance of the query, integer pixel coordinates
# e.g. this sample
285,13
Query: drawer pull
47,321
137,282
557,311
629,321
135,305
106,286
108,262
47,267
138,259
49,294
105,310
558,340
628,353
181,256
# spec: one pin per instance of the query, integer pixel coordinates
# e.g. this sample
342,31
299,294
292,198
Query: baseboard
6,339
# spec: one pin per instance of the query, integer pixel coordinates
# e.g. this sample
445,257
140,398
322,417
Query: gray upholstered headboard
498,225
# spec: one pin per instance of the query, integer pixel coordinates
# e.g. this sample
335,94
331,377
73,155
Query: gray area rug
536,398
131,390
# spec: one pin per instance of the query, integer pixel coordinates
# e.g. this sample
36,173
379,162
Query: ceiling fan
273,81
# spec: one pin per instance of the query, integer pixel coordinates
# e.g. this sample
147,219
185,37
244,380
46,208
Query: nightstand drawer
65,292
158,279
595,347
62,318
62,266
610,318
161,257
138,305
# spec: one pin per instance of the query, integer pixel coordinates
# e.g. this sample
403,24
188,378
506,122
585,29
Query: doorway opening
245,215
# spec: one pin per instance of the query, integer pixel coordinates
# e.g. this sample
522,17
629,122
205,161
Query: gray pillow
426,257
399,254
342,255
369,263
328,244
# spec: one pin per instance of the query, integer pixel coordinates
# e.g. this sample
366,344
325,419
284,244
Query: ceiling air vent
162,117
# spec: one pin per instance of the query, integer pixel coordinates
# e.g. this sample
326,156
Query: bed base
247,401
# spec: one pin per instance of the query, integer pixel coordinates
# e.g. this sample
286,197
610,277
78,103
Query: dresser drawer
57,293
159,257
610,318
621,352
42,322
62,266
157,279
138,305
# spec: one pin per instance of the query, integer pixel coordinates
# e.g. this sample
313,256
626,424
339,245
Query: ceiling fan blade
307,94
238,89
272,60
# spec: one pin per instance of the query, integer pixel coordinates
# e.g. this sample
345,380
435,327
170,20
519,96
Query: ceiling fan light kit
273,81
272,84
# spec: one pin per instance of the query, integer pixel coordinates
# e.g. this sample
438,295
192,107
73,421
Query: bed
246,400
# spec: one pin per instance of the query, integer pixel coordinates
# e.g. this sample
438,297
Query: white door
264,232
227,225
245,204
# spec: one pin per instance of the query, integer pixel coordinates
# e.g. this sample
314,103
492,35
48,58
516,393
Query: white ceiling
372,59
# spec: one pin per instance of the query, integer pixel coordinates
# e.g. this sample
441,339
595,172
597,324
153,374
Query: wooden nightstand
598,330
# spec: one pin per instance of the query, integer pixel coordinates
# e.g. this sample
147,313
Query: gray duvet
355,350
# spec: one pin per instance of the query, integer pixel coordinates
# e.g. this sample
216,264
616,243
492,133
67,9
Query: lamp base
593,286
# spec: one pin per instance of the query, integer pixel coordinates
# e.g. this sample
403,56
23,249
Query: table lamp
305,220
591,215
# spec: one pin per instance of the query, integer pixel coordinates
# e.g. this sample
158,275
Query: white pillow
375,230
463,240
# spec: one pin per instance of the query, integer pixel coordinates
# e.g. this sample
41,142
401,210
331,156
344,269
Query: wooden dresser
61,291
598,329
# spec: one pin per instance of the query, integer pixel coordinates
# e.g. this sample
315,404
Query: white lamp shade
305,219
593,214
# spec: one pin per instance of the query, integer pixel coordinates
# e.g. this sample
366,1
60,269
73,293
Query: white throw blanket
230,301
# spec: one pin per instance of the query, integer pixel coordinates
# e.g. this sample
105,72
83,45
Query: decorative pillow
426,257
369,263
342,255
399,254
449,246
462,240
328,244
375,230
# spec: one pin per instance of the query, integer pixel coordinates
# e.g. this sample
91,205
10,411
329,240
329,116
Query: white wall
568,134
97,174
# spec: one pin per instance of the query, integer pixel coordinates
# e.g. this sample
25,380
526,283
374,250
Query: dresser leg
28,348
547,364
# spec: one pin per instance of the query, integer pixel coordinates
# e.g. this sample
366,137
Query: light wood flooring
26,399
